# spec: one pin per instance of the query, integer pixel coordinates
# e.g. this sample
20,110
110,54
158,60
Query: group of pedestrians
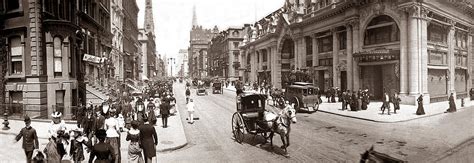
353,100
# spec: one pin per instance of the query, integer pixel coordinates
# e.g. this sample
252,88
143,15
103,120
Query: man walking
30,139
190,107
149,140
396,102
386,103
343,99
164,111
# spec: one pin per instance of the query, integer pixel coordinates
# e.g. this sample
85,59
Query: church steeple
194,17
149,24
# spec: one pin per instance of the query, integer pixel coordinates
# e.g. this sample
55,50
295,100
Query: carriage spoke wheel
316,107
238,127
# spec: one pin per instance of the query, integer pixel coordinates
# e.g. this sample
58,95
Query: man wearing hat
30,139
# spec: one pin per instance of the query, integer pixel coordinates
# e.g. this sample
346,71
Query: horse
371,155
281,124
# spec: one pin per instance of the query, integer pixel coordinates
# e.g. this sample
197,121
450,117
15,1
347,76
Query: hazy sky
173,18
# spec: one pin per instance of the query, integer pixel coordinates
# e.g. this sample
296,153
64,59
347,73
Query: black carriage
201,90
249,118
217,88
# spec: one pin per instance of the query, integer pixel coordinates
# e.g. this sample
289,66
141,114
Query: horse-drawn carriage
252,118
217,88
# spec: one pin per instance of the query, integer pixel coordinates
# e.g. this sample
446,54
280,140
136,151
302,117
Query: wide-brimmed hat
56,114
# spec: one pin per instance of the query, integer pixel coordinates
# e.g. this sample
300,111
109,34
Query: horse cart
249,118
252,118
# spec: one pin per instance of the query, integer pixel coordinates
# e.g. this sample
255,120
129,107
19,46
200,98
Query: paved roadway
317,137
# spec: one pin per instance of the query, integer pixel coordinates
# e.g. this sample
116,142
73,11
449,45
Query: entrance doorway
321,80
378,79
343,80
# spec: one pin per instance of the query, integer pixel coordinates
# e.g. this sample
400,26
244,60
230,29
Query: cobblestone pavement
317,137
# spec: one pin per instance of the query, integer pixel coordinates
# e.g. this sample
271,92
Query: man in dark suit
30,139
149,140
164,111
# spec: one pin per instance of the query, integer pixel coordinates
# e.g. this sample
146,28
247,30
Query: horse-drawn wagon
252,118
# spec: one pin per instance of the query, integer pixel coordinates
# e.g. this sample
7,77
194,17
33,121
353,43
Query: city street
315,137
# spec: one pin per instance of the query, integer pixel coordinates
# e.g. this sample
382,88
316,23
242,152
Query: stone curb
173,148
366,119
456,148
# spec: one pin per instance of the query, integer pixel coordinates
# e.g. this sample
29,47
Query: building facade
131,46
46,42
410,47
225,54
182,63
146,38
117,54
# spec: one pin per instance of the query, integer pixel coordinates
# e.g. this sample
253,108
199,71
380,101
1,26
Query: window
325,44
16,54
309,45
381,29
236,44
342,40
264,56
461,39
309,63
325,62
258,57
60,100
57,56
12,5
236,56
437,34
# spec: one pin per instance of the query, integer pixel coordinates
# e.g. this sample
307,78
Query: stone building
146,38
46,43
405,46
198,45
224,54
131,45
117,54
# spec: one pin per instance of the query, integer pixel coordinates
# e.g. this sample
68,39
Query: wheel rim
238,128
316,107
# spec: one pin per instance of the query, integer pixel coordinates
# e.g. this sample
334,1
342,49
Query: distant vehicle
217,88
305,97
303,83
201,90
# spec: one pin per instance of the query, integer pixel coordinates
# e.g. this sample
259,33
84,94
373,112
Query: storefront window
381,29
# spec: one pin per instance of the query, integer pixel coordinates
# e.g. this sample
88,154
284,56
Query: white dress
111,126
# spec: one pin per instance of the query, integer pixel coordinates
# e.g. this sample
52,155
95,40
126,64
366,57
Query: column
413,52
335,58
469,59
424,53
65,59
451,58
355,49
315,51
349,57
403,55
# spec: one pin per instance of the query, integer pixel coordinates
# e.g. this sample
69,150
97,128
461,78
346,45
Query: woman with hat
113,132
77,151
134,149
103,151
58,132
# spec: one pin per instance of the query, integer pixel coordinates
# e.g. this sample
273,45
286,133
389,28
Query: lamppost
3,72
171,62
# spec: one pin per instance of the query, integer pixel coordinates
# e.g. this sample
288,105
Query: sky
173,18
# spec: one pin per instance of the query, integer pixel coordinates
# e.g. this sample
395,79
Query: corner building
410,47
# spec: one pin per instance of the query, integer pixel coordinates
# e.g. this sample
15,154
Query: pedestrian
77,151
58,132
420,110
140,115
103,151
135,147
359,100
38,156
149,141
151,112
333,95
396,102
30,139
113,134
343,99
187,93
164,112
88,123
80,112
190,107
452,104
386,103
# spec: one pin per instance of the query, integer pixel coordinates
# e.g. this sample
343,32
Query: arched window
381,29
57,56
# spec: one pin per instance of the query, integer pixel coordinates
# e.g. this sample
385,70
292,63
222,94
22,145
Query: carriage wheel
316,107
238,127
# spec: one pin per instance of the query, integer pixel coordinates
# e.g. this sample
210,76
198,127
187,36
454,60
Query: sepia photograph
245,81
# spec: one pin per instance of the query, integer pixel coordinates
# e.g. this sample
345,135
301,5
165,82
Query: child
30,139
39,157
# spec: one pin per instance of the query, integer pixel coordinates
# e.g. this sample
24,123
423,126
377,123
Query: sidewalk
373,112
169,139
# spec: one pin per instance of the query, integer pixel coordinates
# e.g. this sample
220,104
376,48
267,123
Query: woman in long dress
113,135
134,149
420,110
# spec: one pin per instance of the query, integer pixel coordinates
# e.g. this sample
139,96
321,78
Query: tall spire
194,16
149,24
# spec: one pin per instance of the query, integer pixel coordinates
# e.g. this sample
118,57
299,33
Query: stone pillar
469,60
335,58
424,54
413,52
403,55
315,51
355,49
349,57
451,58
